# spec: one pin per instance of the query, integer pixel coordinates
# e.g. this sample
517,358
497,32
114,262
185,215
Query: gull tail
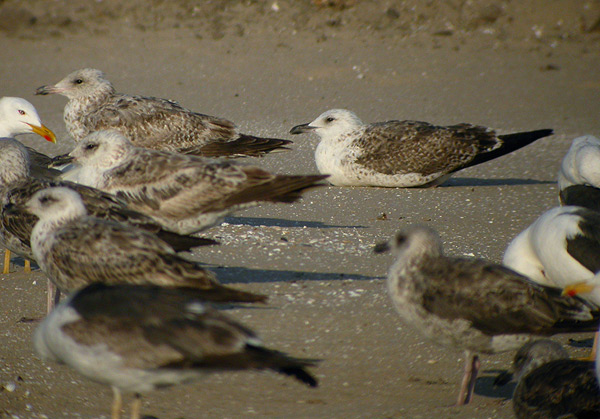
183,243
243,146
281,188
508,144
222,294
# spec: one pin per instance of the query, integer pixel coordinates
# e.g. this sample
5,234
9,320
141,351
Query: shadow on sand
470,181
280,222
228,275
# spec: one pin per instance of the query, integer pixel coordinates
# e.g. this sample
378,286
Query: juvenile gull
473,304
403,153
17,187
150,122
139,338
550,385
76,250
184,193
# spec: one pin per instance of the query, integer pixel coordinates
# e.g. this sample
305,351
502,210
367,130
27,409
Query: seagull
76,250
141,338
560,248
473,304
579,174
150,122
184,193
403,153
17,186
550,385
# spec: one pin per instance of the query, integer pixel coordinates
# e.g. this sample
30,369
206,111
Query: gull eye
400,238
22,112
46,199
78,81
91,146
329,119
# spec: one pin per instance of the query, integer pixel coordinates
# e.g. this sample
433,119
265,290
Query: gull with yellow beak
18,116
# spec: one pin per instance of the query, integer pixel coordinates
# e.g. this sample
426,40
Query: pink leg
467,385
53,296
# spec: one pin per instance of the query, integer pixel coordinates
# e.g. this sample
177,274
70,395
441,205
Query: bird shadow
468,181
484,386
280,222
228,274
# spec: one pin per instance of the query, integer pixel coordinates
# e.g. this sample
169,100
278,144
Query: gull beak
43,131
578,288
48,89
381,247
301,129
61,160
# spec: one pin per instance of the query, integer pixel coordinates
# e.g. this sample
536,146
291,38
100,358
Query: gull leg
53,296
136,406
27,268
6,262
115,412
467,384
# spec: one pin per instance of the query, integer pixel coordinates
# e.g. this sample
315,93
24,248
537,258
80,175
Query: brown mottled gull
75,250
473,304
150,122
184,193
403,153
140,338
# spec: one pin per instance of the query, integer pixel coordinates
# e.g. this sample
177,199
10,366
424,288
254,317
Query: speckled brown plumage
75,250
185,193
150,122
145,338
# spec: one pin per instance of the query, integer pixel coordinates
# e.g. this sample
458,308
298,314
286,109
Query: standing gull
76,250
139,338
550,385
472,304
150,122
403,153
184,193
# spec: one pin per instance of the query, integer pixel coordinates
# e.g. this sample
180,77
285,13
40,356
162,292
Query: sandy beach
269,66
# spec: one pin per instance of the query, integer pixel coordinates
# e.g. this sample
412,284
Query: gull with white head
184,193
403,153
150,122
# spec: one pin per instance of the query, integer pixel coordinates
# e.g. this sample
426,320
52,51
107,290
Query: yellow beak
43,131
578,288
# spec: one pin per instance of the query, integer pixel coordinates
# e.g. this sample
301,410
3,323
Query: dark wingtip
301,375
381,247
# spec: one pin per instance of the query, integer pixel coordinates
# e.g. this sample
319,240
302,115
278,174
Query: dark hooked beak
381,247
61,160
45,90
301,129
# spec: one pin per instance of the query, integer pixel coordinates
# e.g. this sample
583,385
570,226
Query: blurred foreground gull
140,338
473,304
403,153
150,122
186,194
579,174
550,385
560,248
76,250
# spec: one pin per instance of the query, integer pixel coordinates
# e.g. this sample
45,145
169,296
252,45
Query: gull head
80,84
103,149
18,116
331,124
59,203
413,241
